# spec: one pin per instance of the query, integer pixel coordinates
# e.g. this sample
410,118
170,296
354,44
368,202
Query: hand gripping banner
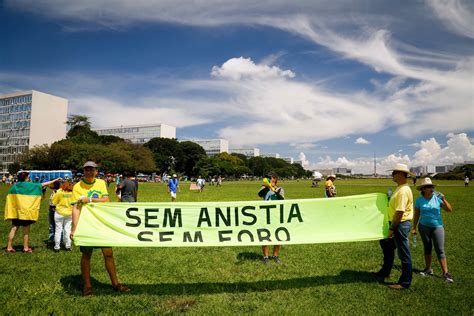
247,223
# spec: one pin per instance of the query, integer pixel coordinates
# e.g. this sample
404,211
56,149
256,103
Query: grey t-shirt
128,190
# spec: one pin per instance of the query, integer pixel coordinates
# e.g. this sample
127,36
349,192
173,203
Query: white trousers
62,223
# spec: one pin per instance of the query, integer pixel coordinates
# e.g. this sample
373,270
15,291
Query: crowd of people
68,198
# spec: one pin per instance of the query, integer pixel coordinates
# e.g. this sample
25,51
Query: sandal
87,291
122,288
10,250
29,250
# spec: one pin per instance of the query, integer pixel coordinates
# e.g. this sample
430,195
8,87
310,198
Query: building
299,162
27,119
139,134
212,146
342,171
270,155
249,152
289,160
324,172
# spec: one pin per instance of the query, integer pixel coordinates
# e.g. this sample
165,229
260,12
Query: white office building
249,152
27,119
212,146
270,155
139,134
289,160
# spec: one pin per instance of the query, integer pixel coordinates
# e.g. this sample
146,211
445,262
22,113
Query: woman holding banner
271,191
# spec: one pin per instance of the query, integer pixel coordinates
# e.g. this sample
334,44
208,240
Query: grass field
313,279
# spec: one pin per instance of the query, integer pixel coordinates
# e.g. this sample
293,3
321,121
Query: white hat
403,168
331,176
424,183
174,175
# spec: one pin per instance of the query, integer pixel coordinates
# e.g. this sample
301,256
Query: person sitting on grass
22,207
271,191
92,190
63,215
428,215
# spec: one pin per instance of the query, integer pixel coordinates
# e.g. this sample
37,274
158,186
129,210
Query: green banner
201,224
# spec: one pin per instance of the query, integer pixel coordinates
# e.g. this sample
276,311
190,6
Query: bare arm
76,212
446,206
416,220
44,184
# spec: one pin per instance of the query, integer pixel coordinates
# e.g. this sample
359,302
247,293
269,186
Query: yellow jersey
63,199
97,189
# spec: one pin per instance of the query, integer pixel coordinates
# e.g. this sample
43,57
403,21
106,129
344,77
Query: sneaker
276,259
448,277
265,260
56,250
426,272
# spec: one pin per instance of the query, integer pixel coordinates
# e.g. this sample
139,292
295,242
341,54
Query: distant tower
375,165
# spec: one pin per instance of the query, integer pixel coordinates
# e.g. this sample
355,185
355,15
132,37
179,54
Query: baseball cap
90,164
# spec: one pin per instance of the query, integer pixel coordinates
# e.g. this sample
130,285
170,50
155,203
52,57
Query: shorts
173,195
87,249
22,222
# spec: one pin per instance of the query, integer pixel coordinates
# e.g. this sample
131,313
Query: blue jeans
51,224
401,234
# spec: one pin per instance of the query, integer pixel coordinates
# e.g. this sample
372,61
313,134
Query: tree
189,154
14,168
165,151
78,120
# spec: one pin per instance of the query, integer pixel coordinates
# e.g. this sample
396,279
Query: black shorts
22,222
87,249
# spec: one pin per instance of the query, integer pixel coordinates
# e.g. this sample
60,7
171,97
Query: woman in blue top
428,214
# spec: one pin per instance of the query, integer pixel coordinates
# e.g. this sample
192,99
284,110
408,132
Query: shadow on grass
73,285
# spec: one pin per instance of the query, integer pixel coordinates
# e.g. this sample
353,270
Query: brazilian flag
23,201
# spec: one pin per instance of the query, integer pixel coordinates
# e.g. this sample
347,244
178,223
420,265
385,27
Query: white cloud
245,68
361,141
456,15
458,149
303,159
266,104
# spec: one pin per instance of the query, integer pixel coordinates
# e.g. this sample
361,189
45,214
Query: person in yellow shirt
62,199
330,187
93,190
400,214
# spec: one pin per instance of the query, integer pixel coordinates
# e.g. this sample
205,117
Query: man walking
173,187
92,190
400,214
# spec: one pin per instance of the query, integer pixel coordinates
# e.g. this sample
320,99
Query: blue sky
329,82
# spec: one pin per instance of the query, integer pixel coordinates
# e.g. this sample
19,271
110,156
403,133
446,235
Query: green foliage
78,120
190,154
14,168
165,151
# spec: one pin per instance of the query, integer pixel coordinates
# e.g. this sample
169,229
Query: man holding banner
400,213
92,190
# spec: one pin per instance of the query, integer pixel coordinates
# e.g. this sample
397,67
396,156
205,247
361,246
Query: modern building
343,171
212,146
289,160
249,152
270,155
299,162
139,134
27,119
423,170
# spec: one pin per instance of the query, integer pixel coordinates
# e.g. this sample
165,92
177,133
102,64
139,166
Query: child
63,216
